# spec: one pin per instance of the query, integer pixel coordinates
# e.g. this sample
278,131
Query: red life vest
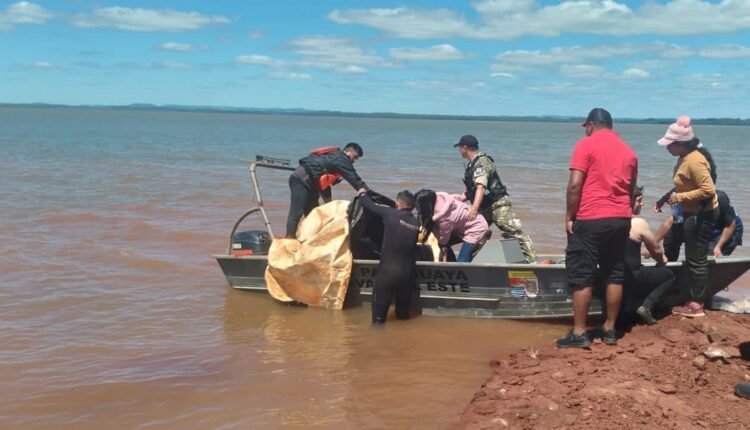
327,179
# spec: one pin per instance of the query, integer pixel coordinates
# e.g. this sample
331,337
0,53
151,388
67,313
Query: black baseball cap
468,141
599,115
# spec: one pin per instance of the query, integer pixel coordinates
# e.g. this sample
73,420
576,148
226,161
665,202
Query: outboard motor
251,242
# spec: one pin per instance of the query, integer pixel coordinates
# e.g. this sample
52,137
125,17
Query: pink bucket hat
680,131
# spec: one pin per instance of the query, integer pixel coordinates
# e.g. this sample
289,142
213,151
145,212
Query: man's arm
663,229
345,168
573,197
659,203
477,203
644,233
726,233
326,195
374,207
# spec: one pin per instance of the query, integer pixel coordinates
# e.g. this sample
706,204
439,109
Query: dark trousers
386,288
673,240
304,199
651,282
697,232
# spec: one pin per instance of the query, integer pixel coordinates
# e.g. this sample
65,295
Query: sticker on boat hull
523,284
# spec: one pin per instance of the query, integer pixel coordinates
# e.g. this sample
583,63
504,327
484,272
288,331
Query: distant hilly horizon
315,112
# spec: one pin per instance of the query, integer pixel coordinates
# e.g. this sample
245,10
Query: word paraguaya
443,280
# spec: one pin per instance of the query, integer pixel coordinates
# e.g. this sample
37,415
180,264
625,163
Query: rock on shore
678,374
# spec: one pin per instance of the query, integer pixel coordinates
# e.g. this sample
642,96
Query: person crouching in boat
315,176
695,191
725,236
640,280
446,215
397,271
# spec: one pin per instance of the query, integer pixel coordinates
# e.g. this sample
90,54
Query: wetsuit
641,281
397,273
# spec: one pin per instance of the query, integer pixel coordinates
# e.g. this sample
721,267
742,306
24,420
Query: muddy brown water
114,315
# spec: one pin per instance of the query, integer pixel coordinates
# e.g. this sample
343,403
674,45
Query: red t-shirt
610,165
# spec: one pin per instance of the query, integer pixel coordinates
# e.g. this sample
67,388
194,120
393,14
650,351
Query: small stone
533,417
553,407
500,420
667,389
570,419
700,362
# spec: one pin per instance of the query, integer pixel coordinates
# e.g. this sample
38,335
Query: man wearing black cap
600,194
315,176
489,196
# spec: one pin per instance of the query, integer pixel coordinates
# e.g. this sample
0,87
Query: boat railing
265,162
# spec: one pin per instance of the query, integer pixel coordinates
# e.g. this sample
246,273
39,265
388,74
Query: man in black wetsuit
397,270
315,176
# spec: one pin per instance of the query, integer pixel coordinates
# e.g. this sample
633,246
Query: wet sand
656,377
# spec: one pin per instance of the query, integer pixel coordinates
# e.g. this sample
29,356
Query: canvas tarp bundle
314,268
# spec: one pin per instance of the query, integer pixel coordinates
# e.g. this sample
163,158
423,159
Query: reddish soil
657,377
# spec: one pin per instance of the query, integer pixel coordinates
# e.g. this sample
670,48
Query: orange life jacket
327,179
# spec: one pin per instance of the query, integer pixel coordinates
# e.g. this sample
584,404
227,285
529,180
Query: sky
483,57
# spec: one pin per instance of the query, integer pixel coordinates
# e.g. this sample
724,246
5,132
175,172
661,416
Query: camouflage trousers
502,215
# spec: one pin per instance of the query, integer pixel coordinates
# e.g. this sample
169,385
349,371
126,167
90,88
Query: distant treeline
308,112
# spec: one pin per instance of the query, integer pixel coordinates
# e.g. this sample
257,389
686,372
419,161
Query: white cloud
335,53
406,23
564,87
507,19
177,47
290,76
140,19
653,53
171,65
582,71
446,85
351,68
502,75
635,73
46,65
256,34
258,60
725,51
444,52
23,13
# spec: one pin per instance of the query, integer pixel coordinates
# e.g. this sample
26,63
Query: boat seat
501,251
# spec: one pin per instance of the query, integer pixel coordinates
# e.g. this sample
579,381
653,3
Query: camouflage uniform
496,204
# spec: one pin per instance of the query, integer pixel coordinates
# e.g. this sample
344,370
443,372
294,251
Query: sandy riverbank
657,377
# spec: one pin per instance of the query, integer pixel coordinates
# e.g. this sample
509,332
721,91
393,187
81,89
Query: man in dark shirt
315,176
397,270
725,237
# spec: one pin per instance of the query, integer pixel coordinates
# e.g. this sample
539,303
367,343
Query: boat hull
513,291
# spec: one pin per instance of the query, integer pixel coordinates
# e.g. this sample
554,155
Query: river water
113,314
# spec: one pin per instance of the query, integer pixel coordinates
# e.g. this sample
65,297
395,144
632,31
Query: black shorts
596,247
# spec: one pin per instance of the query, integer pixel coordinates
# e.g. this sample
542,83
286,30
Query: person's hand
461,197
664,259
717,251
672,198
645,253
361,191
569,226
472,213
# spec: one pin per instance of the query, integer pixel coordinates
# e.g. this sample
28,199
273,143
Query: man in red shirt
603,172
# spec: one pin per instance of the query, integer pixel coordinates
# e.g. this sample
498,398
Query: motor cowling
251,242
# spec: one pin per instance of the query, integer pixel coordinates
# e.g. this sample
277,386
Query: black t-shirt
726,210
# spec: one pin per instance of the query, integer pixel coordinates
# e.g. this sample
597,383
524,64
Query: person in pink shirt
600,194
445,215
